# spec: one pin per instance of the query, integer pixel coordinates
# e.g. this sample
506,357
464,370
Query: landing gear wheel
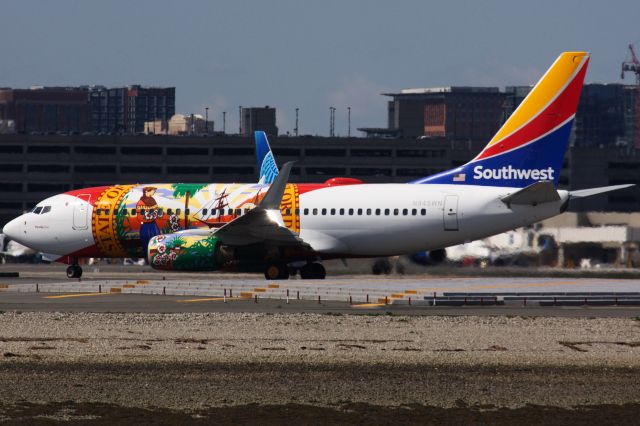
313,271
74,271
276,271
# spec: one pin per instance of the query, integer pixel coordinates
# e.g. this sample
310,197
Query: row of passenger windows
287,212
361,212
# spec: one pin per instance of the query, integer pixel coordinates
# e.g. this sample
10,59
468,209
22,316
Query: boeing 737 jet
511,183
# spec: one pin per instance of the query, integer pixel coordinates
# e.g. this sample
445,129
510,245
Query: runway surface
120,289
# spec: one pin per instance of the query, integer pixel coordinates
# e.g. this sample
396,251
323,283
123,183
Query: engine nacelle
184,252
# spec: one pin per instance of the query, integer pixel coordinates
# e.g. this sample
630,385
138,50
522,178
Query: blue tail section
531,145
266,162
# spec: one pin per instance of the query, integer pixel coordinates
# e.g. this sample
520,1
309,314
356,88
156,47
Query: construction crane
633,65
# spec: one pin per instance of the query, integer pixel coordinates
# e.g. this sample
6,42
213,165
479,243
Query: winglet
273,197
266,162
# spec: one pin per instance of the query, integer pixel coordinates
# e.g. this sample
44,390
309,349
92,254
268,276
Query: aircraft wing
263,224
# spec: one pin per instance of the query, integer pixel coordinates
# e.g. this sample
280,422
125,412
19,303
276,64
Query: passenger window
287,212
204,212
306,212
395,212
386,212
133,212
238,212
186,211
377,212
315,212
178,212
123,212
341,212
324,212
333,212
98,212
46,209
297,212
160,212
221,212
106,212
359,212
368,212
350,212
169,212
405,212
414,211
37,210
423,212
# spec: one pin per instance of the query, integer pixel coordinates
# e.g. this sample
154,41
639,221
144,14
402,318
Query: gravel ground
217,361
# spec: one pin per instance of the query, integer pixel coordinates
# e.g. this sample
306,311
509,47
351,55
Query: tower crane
633,65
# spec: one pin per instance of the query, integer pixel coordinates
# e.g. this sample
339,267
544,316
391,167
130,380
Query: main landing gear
74,271
313,271
276,270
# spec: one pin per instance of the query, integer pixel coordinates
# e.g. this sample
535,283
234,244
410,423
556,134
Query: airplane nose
16,229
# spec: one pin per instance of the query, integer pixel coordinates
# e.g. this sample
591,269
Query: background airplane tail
531,144
266,163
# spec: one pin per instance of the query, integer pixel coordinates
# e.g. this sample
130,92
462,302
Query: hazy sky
306,54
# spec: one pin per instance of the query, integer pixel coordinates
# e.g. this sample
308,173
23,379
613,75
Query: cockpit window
37,210
46,209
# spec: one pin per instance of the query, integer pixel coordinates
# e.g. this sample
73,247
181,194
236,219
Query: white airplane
268,228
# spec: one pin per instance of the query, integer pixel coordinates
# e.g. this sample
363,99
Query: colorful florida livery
530,146
274,226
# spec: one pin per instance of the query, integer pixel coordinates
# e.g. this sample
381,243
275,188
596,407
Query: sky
306,54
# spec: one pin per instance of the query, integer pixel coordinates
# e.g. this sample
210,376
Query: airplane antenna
633,65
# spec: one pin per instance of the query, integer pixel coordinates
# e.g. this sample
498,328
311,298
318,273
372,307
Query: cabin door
450,213
81,212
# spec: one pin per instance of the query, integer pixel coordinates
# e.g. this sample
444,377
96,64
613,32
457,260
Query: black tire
313,271
276,271
74,271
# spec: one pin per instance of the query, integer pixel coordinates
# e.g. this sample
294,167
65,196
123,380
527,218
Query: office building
127,109
252,119
44,110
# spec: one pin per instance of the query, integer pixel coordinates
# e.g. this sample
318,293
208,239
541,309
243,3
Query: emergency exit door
450,213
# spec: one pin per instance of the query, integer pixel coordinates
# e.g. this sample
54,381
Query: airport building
33,167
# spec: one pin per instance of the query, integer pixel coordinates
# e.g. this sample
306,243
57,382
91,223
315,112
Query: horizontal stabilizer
534,194
593,191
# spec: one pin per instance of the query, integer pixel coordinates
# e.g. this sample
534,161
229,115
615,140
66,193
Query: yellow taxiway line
65,296
368,305
210,299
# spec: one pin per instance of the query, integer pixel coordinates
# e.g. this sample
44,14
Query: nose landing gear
74,271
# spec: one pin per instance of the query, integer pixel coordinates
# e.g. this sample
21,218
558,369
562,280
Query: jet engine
184,251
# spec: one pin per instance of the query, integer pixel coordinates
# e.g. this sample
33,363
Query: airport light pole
296,129
224,122
206,119
349,121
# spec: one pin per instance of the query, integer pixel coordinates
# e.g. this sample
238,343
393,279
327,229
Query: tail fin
266,162
531,144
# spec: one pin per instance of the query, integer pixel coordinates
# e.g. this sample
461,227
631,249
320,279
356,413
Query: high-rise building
126,109
252,119
44,110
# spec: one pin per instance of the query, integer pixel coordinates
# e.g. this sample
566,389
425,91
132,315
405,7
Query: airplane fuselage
336,221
